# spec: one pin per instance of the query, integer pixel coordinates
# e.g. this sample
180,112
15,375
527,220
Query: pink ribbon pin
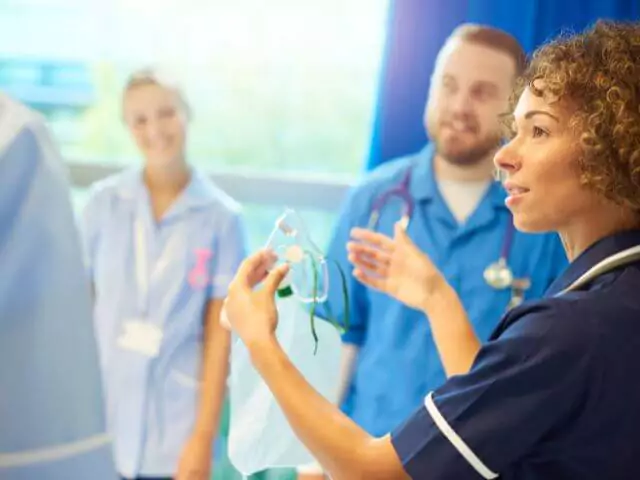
198,276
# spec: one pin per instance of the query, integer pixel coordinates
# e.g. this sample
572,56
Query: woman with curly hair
554,393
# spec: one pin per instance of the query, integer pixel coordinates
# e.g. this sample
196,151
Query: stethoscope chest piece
498,275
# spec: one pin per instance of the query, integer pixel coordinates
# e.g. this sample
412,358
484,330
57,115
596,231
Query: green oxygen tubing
288,291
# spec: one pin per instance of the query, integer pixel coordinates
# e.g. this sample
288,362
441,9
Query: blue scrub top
554,394
192,254
51,408
398,362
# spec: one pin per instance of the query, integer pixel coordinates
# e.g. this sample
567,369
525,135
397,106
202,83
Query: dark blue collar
591,256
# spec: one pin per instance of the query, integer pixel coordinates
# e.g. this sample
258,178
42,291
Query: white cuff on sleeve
455,439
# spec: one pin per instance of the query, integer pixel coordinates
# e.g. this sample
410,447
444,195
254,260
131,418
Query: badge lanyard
144,273
144,278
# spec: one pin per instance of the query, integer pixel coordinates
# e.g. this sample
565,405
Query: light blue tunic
159,274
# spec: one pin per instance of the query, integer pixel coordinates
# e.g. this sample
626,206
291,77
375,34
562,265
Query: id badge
141,337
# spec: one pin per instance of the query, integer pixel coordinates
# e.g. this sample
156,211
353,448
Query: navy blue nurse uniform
554,394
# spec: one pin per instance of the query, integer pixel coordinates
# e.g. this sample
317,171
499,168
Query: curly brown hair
597,73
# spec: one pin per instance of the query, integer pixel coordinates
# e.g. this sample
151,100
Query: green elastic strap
312,315
288,291
330,316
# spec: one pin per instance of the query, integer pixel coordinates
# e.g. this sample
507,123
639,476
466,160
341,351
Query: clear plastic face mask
259,435
308,274
308,277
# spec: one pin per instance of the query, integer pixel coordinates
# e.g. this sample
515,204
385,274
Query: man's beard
467,156
458,153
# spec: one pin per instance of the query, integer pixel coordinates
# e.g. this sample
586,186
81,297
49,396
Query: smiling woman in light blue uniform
162,244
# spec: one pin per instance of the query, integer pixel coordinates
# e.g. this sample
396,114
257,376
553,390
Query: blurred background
292,100
281,91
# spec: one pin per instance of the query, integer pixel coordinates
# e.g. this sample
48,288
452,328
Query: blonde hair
161,78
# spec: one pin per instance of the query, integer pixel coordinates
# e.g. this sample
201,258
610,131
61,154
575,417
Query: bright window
286,86
283,84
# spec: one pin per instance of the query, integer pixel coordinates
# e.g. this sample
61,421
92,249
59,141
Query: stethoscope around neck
497,275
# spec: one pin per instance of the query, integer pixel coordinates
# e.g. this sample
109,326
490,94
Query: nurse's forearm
455,339
344,450
215,367
347,364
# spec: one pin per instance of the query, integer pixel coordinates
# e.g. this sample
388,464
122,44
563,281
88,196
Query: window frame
321,192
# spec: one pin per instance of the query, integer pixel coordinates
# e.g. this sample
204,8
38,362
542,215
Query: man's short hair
492,38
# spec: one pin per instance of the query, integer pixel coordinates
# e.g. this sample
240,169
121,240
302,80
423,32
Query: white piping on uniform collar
619,259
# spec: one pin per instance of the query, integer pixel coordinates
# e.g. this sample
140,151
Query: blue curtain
418,28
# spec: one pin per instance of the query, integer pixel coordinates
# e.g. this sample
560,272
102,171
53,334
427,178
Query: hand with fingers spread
394,266
252,312
398,268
